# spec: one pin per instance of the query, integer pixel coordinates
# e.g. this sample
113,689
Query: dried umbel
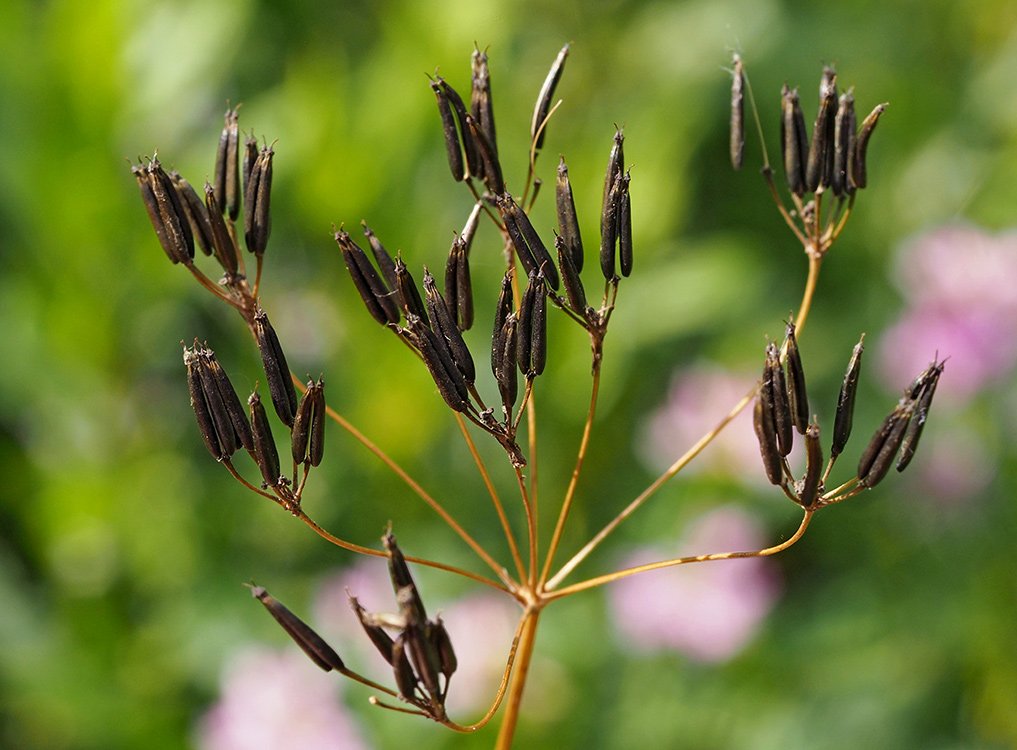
436,324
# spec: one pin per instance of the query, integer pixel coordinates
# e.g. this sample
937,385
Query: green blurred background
123,545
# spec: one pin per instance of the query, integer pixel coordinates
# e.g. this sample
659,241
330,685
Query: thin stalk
531,511
495,499
617,575
531,524
574,481
515,696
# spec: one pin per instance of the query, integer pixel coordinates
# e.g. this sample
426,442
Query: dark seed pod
798,398
434,351
194,209
541,257
777,394
474,163
737,113
257,217
399,573
377,298
846,401
249,160
458,285
844,146
448,127
443,644
879,454
423,655
221,420
481,105
313,644
859,174
615,165
810,488
543,106
524,329
200,405
231,401
176,228
225,247
488,157
169,242
277,372
568,222
227,177
501,312
316,448
510,213
301,433
265,453
405,678
409,295
381,640
924,392
538,330
820,159
504,364
609,228
385,263
574,290
794,142
625,227
444,326
762,422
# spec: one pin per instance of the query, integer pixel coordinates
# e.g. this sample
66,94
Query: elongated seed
474,163
574,290
316,449
924,392
257,216
524,329
453,148
615,165
200,405
381,257
844,146
444,326
541,257
568,222
443,644
376,297
216,405
312,644
509,214
301,433
762,422
544,98
879,454
798,398
249,160
381,639
860,174
409,295
609,229
482,105
405,678
538,330
458,285
231,401
174,220
423,654
169,243
227,177
810,488
434,351
504,364
737,112
225,247
502,310
277,372
782,421
625,227
820,159
194,210
794,143
846,400
265,453
488,157
399,573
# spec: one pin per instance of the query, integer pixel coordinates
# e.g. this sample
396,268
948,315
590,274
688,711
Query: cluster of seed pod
782,408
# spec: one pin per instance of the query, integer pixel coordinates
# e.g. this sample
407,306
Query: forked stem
527,641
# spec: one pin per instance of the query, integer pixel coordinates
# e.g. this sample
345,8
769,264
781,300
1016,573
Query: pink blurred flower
272,699
708,611
699,397
961,286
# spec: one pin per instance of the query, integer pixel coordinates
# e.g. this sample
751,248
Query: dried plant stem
527,641
420,491
601,580
495,499
531,428
531,525
500,695
788,219
574,481
211,286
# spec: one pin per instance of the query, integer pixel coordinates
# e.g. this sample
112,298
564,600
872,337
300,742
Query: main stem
514,700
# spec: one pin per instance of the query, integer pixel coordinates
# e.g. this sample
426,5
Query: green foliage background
122,545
